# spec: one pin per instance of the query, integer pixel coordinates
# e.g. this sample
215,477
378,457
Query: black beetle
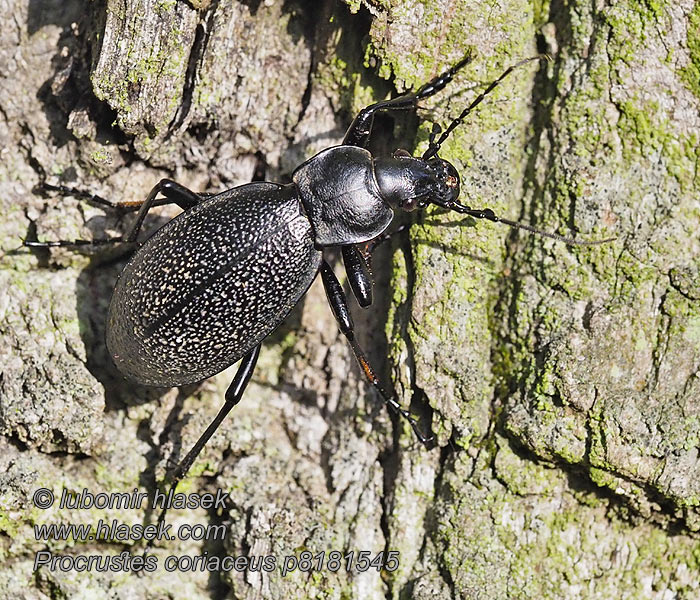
209,286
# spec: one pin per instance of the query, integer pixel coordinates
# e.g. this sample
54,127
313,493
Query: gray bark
561,382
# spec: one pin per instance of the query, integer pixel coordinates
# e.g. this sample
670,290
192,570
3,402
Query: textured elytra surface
505,510
211,284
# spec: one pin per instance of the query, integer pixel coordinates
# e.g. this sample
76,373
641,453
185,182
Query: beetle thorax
341,197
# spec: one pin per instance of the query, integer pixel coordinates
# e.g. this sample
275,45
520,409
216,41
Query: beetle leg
384,237
234,393
174,193
233,396
360,129
358,265
359,274
339,306
365,250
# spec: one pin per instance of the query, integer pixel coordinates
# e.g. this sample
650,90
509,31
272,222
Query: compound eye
410,204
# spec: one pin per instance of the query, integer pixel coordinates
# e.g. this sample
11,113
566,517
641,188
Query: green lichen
9,526
354,5
143,71
523,477
643,127
649,10
548,552
163,6
638,128
541,9
690,74
347,81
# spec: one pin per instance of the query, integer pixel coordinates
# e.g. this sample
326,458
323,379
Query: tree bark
561,382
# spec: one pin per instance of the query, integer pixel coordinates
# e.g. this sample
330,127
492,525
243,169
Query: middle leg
339,306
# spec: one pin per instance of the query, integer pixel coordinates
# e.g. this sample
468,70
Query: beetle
208,287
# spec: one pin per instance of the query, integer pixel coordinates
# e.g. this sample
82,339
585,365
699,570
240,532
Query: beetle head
410,183
445,189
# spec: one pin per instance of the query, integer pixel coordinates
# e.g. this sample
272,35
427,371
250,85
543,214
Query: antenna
489,215
434,147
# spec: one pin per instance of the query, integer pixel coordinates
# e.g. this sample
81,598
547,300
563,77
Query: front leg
360,130
357,261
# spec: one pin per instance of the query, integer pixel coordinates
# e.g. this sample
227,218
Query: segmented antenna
486,213
489,215
434,147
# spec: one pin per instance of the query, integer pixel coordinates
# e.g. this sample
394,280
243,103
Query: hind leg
172,192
